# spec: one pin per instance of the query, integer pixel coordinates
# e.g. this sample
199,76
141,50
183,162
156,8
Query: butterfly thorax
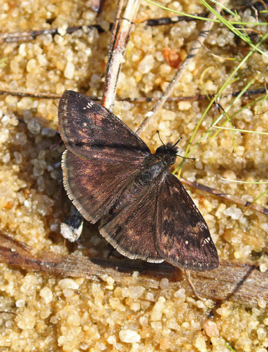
155,165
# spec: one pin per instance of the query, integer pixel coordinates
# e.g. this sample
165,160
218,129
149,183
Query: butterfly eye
172,159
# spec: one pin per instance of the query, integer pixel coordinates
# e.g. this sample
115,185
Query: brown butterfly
110,175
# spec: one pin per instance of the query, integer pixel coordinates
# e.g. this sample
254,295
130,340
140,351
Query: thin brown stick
27,36
110,55
97,7
248,93
119,40
31,95
191,55
242,283
233,199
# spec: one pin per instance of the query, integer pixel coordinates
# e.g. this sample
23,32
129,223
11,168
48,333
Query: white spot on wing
206,240
88,106
201,225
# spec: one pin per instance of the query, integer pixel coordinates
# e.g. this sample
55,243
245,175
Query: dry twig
241,283
248,93
231,198
120,36
192,53
97,7
27,36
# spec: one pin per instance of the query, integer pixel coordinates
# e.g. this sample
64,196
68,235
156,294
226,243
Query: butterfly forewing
91,131
182,236
94,185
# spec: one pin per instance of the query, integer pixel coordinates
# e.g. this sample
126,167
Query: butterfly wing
129,227
102,154
182,236
91,131
94,185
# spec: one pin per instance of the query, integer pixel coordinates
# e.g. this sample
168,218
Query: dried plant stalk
231,198
242,283
199,97
182,69
120,36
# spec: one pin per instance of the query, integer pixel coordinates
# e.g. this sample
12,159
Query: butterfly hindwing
91,131
182,237
130,226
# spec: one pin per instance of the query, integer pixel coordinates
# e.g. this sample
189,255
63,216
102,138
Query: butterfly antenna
177,142
188,275
185,157
160,137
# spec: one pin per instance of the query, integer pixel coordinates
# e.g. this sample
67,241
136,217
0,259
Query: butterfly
111,176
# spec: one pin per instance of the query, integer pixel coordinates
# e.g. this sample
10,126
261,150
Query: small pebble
129,336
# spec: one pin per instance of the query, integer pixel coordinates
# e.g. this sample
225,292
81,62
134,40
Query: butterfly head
167,152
